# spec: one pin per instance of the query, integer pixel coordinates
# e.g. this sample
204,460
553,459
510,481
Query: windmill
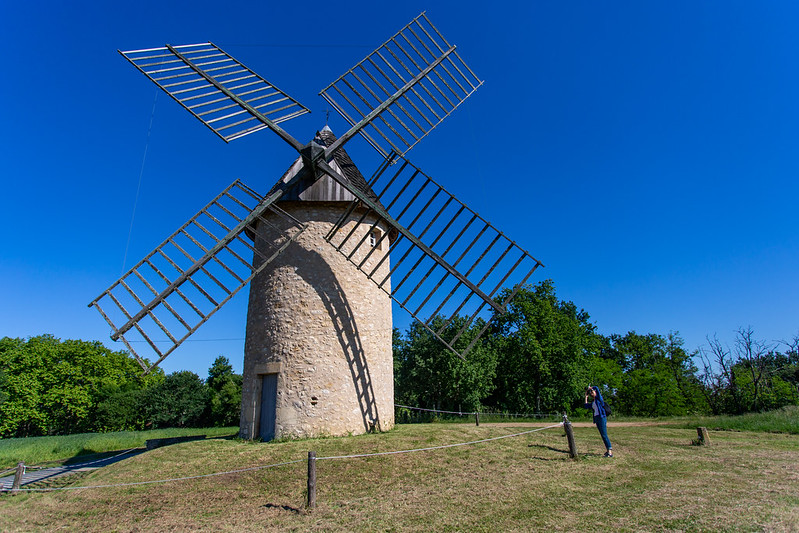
318,350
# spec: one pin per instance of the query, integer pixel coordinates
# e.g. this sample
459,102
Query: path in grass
46,474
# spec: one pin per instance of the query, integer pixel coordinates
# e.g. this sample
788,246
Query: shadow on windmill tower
318,356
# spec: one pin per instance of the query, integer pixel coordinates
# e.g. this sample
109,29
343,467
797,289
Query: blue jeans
602,425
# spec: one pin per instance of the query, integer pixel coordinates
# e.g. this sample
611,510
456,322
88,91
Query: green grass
658,481
63,449
785,420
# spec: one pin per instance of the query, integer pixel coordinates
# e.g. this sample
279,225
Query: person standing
595,403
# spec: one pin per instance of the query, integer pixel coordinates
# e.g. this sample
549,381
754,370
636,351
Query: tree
657,380
224,393
428,374
751,354
122,408
684,372
178,401
220,370
544,351
3,387
750,376
787,368
717,376
54,386
607,375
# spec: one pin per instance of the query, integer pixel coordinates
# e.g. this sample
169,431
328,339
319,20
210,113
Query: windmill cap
326,189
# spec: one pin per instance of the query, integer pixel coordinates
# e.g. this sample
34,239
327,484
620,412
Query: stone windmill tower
318,359
324,251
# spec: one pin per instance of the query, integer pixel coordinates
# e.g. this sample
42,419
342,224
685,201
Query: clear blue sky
646,152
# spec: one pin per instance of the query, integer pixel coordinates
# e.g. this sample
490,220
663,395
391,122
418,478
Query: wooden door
268,406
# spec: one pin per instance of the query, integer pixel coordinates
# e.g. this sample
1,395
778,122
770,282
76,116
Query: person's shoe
608,454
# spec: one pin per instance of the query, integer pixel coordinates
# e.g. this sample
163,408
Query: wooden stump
18,477
704,437
570,438
311,480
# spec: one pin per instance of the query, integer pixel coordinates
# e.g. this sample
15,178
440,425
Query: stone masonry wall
326,330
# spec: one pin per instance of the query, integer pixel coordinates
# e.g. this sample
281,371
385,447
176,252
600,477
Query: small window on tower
374,236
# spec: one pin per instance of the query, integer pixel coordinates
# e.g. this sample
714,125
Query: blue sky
645,152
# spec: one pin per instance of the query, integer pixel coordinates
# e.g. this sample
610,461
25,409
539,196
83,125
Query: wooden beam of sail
454,266
402,90
178,286
229,98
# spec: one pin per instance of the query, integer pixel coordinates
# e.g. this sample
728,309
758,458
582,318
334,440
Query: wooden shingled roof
325,189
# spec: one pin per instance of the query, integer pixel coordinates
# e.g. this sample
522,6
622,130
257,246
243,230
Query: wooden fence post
476,418
570,437
18,477
311,480
704,437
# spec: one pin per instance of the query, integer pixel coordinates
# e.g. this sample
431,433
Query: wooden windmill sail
447,265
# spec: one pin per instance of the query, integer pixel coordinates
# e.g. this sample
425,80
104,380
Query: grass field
658,481
71,448
785,420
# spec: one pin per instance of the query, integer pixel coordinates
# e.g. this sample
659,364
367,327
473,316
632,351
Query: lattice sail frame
404,89
456,235
202,78
424,80
194,272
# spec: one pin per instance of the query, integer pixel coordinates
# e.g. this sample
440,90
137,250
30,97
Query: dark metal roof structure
321,187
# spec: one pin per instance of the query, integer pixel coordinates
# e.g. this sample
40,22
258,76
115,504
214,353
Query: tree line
540,356
536,358
54,387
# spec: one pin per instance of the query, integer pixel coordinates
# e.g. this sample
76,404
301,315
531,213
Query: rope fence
462,413
311,462
134,483
443,446
478,415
